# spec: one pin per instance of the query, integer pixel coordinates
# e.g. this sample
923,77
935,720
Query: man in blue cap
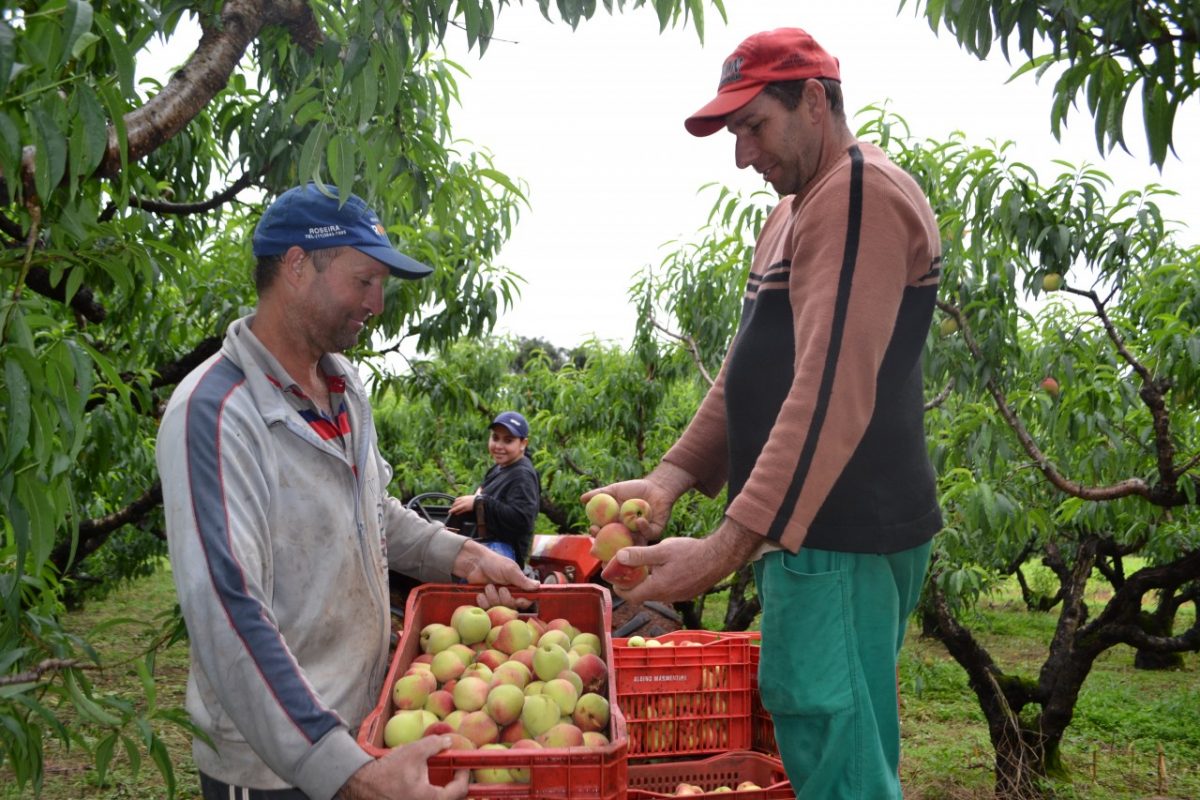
280,528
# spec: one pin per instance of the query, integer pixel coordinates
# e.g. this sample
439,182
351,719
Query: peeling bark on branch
206,73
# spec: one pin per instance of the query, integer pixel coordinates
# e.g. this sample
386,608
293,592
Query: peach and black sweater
816,418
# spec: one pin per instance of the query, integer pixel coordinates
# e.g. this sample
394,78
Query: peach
410,692
592,671
562,734
514,635
471,622
609,539
632,510
470,694
504,703
479,728
602,509
591,712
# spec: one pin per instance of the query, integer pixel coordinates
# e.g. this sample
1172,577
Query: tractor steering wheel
417,504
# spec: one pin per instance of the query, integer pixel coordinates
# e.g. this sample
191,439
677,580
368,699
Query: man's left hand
476,564
682,568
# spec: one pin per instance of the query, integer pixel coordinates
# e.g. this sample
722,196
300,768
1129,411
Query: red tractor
554,558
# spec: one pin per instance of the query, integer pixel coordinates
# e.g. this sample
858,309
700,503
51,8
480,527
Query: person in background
281,530
815,422
505,506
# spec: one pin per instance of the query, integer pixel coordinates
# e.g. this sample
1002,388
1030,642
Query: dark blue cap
514,422
312,219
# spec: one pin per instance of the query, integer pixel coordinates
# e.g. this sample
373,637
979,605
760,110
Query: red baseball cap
784,54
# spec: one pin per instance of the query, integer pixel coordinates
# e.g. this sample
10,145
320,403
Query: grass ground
1124,719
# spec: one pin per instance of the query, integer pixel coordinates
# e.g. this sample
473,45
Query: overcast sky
592,120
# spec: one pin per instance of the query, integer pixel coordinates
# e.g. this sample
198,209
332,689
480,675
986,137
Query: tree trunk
1023,759
741,610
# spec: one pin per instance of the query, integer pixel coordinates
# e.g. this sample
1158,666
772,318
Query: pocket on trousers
805,666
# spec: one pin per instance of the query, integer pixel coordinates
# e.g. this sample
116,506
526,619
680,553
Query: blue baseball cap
513,422
315,219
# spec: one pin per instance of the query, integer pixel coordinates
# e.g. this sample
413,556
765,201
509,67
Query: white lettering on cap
325,232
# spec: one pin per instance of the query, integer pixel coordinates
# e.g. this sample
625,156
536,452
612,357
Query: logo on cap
325,232
731,71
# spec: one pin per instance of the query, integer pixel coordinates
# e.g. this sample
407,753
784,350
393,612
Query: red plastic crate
685,699
762,729
660,779
555,773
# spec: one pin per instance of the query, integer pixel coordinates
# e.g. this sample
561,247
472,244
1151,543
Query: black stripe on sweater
832,355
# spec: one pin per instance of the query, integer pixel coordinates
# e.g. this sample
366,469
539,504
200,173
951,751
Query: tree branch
44,666
206,73
942,396
95,532
83,303
1125,488
168,375
691,345
182,209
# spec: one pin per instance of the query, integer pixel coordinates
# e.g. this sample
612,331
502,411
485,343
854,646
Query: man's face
504,447
335,302
781,145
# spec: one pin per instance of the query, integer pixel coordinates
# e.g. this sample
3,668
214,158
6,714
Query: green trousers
832,626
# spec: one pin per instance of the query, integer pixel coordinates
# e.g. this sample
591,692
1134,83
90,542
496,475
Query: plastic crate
689,696
598,773
762,729
660,779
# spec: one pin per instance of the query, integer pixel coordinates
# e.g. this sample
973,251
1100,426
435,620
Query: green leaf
78,21
50,159
162,759
368,96
1159,114
122,57
310,164
18,410
10,145
502,179
104,754
92,122
6,54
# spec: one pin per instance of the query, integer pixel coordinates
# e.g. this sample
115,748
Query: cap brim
397,263
711,118
506,427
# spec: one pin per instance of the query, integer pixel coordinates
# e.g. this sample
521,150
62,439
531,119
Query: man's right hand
660,494
403,772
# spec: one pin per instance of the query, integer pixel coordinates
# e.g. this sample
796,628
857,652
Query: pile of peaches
494,679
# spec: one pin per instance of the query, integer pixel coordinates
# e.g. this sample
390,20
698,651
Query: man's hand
660,489
500,596
682,568
476,564
403,772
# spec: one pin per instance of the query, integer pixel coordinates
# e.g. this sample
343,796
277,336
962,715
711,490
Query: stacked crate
694,719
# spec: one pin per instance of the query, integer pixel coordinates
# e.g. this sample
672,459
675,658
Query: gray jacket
280,548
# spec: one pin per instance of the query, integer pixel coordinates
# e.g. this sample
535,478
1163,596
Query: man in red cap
815,423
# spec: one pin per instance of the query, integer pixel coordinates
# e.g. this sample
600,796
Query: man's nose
744,152
375,300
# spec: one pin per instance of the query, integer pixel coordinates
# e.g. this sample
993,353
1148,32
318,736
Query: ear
813,100
292,264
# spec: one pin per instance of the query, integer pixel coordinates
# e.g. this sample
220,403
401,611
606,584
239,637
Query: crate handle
371,723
